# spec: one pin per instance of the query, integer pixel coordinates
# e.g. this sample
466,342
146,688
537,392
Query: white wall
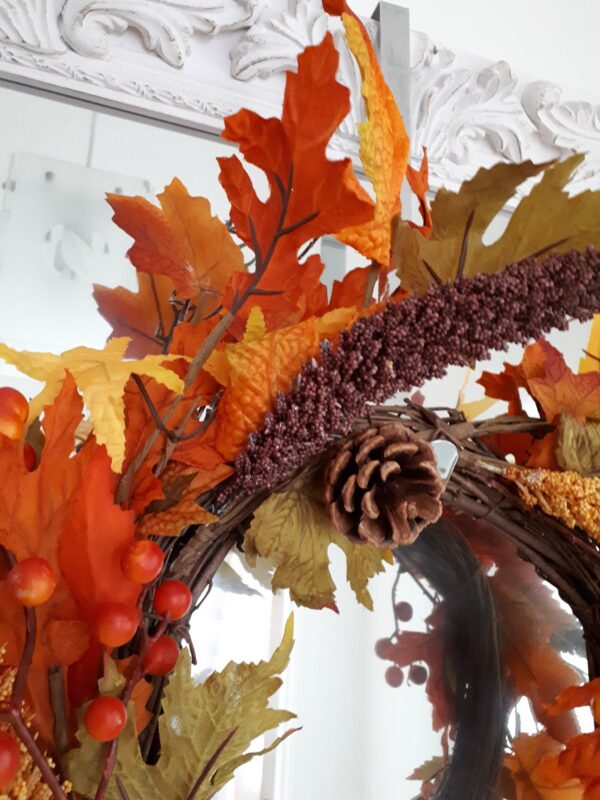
555,40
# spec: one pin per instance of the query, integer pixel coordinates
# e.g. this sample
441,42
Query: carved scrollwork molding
468,112
166,26
32,24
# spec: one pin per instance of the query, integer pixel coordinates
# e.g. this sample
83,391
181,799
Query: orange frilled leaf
544,373
384,144
577,697
181,240
180,508
525,765
321,196
141,315
254,371
580,760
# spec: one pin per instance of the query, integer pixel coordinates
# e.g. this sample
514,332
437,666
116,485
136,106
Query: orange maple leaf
142,316
63,512
181,240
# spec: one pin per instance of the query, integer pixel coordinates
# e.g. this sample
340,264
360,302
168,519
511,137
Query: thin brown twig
210,764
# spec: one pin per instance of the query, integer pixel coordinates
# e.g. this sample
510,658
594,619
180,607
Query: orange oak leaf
309,195
142,316
384,144
255,370
525,764
181,240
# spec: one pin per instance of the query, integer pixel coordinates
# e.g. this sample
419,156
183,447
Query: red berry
143,561
29,457
394,676
174,598
404,611
11,425
105,718
417,674
32,581
117,623
162,656
384,648
10,759
13,400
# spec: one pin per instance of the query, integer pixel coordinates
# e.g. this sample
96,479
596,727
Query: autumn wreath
238,404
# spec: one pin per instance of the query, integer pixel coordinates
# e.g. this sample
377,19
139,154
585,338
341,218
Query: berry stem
111,754
13,716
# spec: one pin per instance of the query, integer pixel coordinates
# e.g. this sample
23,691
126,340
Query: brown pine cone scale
383,486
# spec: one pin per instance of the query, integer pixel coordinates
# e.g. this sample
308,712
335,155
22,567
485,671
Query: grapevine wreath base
238,404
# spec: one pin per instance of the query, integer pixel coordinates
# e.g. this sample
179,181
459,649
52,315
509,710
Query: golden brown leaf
547,220
578,445
229,708
292,530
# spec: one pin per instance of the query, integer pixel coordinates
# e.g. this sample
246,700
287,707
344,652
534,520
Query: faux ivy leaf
221,717
547,220
101,376
578,445
293,531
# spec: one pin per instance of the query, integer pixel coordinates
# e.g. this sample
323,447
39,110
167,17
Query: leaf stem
210,764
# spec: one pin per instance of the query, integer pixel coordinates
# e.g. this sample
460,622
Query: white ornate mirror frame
192,62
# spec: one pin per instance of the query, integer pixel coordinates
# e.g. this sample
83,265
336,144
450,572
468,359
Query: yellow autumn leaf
220,717
254,370
100,376
547,220
293,532
384,149
591,361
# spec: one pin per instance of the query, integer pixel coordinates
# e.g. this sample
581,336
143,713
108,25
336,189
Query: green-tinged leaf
221,717
547,220
578,446
293,531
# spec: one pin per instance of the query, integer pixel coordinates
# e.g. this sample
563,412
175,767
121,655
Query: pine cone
383,486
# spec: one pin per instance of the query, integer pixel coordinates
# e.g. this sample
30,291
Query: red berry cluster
387,649
117,623
14,413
